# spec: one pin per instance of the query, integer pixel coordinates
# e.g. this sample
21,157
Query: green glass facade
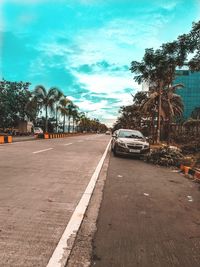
191,91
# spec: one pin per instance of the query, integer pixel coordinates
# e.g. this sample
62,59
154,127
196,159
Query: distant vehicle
37,130
107,132
129,142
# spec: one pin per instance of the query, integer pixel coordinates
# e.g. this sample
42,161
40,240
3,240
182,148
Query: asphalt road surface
149,217
41,183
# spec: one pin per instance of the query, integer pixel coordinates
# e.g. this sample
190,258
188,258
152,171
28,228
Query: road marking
68,144
62,251
40,151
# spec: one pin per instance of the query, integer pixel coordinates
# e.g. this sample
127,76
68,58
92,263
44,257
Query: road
149,217
41,183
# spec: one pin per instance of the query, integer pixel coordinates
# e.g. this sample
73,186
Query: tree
62,107
32,109
194,44
152,70
58,98
46,99
75,116
14,97
158,69
71,109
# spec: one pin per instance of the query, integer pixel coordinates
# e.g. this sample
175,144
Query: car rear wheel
115,152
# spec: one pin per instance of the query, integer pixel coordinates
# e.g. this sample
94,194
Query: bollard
46,136
1,139
186,169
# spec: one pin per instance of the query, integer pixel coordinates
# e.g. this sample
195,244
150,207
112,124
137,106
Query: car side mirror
114,135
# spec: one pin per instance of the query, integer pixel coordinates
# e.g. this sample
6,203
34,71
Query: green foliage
46,100
18,103
158,70
90,125
194,41
14,97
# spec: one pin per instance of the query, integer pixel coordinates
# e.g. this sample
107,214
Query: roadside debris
146,194
190,199
165,156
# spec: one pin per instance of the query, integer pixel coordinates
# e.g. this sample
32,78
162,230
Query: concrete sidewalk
149,216
23,138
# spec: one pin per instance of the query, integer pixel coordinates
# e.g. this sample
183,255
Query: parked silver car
37,130
129,142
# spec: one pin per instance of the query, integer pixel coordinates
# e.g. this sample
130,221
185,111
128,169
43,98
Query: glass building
190,93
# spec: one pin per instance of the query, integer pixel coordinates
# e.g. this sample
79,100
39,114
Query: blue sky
85,47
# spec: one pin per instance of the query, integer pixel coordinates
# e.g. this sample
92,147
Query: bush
165,156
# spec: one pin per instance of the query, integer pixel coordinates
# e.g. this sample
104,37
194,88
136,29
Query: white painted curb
62,251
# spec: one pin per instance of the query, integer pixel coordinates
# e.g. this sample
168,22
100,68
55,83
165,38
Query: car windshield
131,134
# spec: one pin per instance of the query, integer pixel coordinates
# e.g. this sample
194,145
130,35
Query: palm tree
158,69
83,121
74,117
59,96
45,99
171,104
62,107
71,109
152,70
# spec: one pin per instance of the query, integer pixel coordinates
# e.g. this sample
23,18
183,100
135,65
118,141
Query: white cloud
99,83
96,110
169,5
120,40
112,87
52,48
89,106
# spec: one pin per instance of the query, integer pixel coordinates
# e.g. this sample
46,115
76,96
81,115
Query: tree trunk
159,117
56,119
64,124
168,131
69,124
152,129
73,125
46,119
